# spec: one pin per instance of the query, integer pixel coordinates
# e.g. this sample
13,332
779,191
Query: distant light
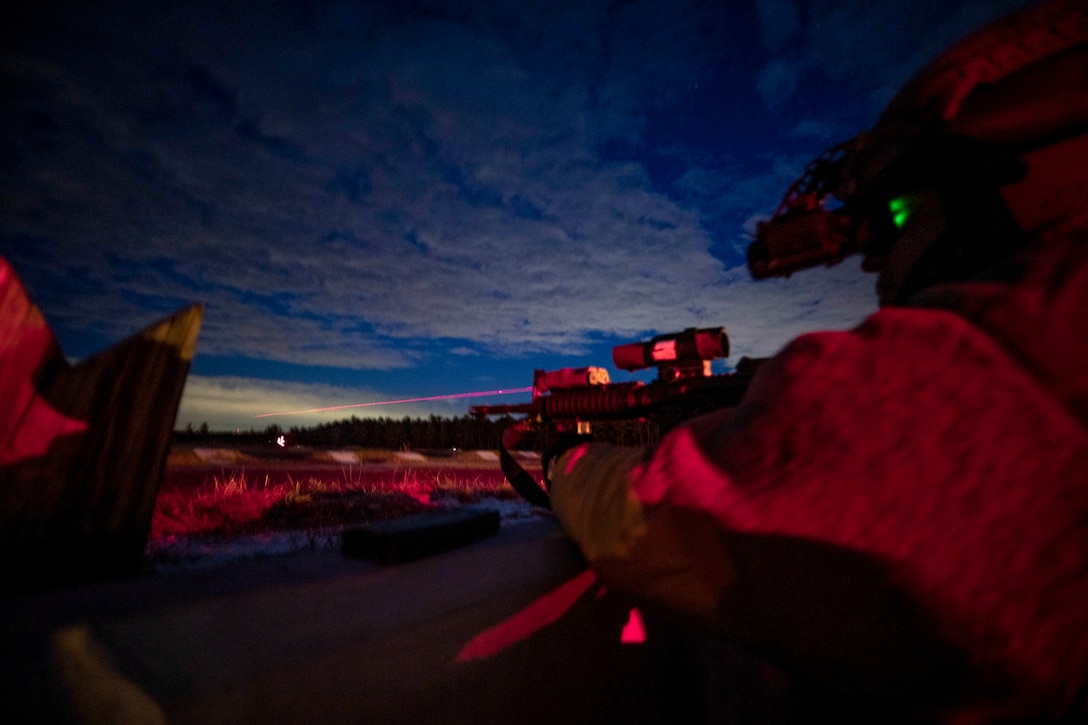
281,441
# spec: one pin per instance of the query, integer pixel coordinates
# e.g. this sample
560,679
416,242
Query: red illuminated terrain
247,499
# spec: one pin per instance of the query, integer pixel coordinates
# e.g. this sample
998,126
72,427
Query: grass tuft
235,505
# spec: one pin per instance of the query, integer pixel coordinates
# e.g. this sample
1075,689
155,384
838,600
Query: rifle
567,402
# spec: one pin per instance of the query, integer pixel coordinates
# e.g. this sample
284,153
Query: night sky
386,200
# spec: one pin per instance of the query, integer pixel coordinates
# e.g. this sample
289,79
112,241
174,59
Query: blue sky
386,200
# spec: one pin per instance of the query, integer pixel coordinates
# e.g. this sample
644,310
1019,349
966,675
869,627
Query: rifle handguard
564,400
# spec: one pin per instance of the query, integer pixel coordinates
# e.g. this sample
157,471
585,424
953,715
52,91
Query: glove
563,443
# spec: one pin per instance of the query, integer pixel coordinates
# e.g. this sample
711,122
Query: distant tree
434,432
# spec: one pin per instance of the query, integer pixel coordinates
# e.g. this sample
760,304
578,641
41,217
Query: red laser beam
541,613
451,396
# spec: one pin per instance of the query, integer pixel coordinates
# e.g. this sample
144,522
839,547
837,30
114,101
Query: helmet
983,152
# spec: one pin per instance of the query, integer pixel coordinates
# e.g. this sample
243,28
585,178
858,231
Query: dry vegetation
235,505
236,514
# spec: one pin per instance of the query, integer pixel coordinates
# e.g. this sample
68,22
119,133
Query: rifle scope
690,347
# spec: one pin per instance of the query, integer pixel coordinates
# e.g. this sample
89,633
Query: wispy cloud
237,403
386,197
343,183
843,61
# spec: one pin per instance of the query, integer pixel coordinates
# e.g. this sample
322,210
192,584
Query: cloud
857,50
762,317
821,130
777,82
387,197
780,20
342,183
228,403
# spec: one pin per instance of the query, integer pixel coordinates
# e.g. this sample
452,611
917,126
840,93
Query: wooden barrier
82,447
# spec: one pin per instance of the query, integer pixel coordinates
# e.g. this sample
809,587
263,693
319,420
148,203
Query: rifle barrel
510,409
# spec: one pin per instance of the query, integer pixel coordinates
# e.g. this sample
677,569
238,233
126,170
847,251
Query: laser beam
451,396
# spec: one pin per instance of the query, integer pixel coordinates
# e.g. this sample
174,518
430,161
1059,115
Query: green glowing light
900,207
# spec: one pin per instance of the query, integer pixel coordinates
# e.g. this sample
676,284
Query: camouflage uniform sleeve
672,556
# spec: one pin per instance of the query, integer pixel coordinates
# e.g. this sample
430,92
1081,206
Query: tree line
434,433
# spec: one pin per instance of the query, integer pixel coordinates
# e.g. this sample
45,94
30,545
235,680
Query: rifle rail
616,401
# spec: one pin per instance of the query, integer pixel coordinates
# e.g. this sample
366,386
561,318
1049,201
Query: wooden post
82,448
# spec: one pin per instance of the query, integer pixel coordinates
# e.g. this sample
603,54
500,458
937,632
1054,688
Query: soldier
900,512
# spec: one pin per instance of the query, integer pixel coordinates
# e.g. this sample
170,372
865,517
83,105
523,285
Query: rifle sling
522,482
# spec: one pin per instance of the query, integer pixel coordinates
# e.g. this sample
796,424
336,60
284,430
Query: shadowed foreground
319,637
